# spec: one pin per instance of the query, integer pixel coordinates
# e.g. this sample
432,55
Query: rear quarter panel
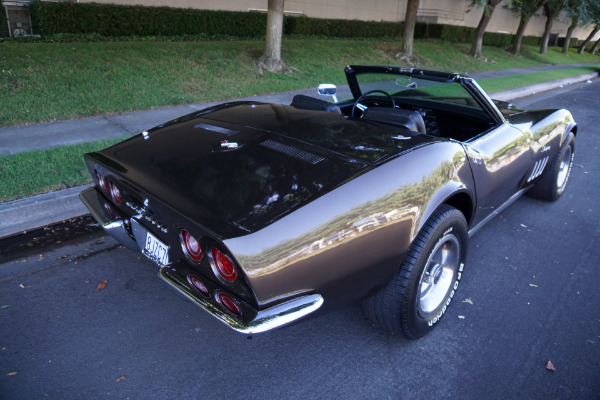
546,129
348,243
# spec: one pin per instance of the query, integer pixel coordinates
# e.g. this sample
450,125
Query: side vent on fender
538,168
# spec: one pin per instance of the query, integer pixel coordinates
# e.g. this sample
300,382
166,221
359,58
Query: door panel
499,161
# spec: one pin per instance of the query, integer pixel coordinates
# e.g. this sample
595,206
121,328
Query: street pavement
17,217
529,295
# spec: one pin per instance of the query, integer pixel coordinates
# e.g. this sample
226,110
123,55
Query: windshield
408,88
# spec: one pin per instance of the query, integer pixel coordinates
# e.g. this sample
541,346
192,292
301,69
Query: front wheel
553,181
421,290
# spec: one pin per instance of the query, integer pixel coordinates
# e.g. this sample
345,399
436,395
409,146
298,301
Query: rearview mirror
327,89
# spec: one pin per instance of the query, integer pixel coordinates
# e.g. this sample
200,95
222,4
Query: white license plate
156,250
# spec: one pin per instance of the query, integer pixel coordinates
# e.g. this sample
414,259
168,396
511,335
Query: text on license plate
156,250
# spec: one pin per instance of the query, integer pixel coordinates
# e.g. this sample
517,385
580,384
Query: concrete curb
19,216
519,93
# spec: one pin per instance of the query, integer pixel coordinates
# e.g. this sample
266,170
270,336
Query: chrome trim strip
544,165
266,320
94,201
498,210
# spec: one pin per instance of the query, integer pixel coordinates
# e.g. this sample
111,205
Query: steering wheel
362,107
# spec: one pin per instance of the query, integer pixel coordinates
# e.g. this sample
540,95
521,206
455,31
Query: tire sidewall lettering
461,234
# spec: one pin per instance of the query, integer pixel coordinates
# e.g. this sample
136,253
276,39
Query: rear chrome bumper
265,320
108,220
253,321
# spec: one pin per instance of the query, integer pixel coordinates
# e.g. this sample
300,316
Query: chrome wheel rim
438,275
563,170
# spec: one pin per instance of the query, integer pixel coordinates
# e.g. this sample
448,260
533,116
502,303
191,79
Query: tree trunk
596,46
588,39
483,23
551,13
572,27
546,35
526,14
518,38
272,56
412,6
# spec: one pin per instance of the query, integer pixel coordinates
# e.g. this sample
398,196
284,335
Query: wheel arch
463,203
572,127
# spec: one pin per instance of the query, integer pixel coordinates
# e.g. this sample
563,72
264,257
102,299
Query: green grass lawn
48,81
53,81
33,172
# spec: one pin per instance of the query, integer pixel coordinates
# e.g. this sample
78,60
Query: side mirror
327,89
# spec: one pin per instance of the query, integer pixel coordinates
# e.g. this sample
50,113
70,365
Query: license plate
156,250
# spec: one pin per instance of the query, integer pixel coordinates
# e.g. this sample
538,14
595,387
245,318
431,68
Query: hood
248,163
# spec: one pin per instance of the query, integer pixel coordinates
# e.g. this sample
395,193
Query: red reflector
190,246
228,303
224,265
115,193
197,283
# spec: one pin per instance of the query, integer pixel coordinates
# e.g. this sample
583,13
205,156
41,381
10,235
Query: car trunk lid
219,164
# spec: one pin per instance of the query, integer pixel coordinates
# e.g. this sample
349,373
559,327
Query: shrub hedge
342,28
115,20
109,20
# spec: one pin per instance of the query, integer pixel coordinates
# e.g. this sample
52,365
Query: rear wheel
421,290
554,179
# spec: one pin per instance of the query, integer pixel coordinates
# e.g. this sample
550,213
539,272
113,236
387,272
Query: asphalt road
529,295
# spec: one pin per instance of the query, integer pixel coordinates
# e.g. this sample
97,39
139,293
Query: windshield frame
469,84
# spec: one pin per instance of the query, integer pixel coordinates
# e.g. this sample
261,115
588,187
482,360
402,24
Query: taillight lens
223,265
228,303
114,192
191,247
102,182
111,212
197,283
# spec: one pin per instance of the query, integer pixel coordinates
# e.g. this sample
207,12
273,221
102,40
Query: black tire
421,290
553,181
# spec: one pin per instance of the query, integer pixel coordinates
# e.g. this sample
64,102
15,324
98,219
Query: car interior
420,116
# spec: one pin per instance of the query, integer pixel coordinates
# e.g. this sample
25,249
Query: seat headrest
410,120
310,103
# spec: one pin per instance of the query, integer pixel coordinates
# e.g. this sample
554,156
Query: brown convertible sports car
262,214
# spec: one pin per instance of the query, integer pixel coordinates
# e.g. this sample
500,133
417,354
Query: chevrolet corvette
263,214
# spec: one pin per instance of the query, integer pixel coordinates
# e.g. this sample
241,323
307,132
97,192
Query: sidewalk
37,211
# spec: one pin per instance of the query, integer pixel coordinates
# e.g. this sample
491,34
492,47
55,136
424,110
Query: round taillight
114,192
228,303
197,283
111,212
102,182
191,247
224,265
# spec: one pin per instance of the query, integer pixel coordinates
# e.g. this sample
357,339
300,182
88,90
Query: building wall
452,12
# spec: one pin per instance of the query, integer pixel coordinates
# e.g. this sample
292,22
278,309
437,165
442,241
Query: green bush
342,28
66,21
574,43
531,40
502,40
457,34
114,20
